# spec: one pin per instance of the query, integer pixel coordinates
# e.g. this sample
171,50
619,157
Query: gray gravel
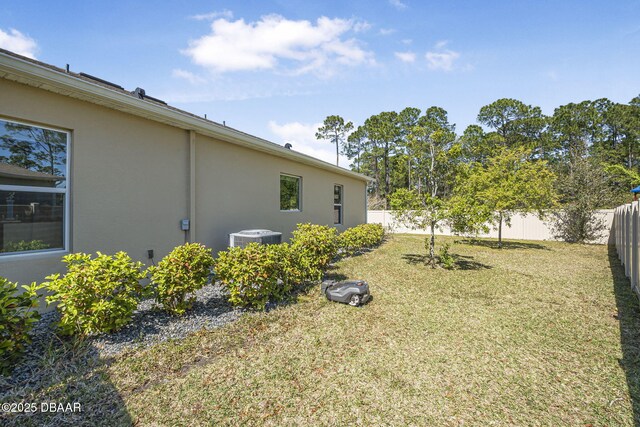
150,325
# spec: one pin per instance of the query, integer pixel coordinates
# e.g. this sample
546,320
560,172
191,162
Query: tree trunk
337,156
500,232
387,176
376,169
432,179
432,257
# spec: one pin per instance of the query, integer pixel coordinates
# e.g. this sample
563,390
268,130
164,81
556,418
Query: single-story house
87,166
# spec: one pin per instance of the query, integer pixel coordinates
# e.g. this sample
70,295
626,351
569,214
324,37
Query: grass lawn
536,333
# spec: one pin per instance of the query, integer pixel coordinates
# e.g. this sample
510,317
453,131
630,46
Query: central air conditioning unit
244,237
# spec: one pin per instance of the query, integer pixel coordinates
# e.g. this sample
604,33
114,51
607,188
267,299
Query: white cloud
441,44
406,56
361,26
442,60
387,31
18,43
279,44
188,76
302,137
397,4
213,15
407,41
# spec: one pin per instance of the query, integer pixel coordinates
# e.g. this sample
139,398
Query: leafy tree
334,129
473,145
516,125
575,127
620,180
584,189
408,118
509,183
429,142
356,143
621,131
420,211
383,131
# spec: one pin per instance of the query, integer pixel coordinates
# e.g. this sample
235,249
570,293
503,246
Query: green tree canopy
516,124
509,183
335,129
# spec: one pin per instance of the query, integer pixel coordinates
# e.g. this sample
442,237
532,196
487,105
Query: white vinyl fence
626,240
523,227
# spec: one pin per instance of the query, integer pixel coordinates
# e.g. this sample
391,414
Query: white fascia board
33,74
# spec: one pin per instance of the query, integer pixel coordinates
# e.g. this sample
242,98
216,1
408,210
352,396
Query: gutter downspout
192,186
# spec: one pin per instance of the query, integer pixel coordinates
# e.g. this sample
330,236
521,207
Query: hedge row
258,274
100,294
363,236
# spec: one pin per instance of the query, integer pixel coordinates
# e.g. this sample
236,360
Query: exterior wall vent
264,237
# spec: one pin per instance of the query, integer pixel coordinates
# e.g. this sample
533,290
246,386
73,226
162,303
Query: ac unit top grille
244,237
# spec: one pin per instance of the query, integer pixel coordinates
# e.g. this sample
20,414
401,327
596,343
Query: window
337,204
290,187
33,188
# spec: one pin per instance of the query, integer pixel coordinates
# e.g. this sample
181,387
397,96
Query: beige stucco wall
130,183
238,188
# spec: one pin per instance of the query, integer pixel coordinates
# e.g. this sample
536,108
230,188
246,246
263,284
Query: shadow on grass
66,372
461,262
629,318
332,274
506,244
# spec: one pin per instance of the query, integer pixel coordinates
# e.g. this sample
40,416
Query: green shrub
96,295
360,237
256,273
291,269
315,246
23,245
182,272
17,316
447,260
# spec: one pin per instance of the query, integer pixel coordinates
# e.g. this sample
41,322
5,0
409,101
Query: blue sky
276,69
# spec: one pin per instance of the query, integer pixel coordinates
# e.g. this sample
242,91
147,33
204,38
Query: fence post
634,246
617,229
618,232
627,252
616,219
621,234
623,237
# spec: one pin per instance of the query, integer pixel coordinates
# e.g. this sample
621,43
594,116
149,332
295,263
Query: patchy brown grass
537,333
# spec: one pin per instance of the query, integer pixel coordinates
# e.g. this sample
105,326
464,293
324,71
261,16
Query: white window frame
341,204
35,189
299,178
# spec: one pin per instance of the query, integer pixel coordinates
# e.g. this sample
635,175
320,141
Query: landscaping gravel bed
150,325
